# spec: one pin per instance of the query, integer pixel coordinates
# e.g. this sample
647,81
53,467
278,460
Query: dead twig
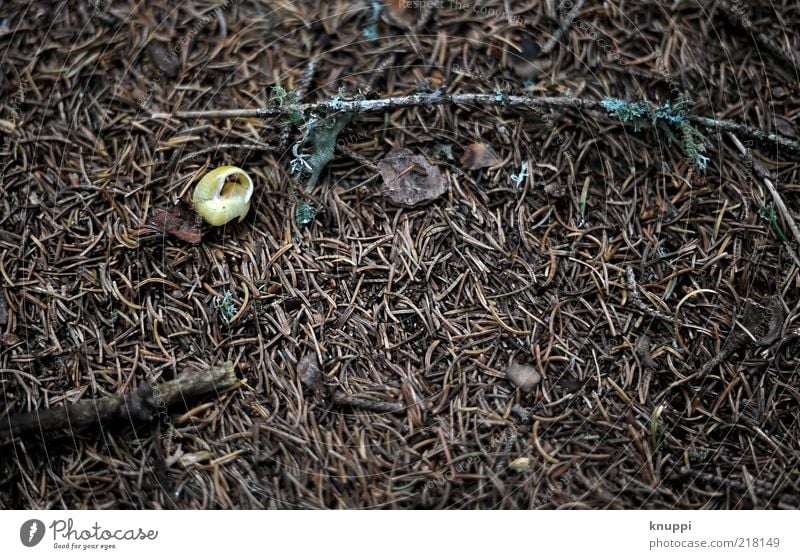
388,104
764,175
636,298
369,405
143,405
533,102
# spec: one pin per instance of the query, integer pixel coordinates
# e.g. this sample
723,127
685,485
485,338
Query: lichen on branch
670,118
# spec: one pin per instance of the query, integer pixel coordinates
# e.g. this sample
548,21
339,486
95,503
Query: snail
223,194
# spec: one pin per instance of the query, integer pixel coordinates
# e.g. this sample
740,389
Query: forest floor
584,318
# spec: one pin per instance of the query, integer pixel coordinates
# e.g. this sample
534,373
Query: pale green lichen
671,118
323,141
370,32
225,306
304,213
280,97
523,173
320,136
445,150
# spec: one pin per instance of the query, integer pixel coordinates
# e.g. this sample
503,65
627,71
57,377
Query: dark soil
373,343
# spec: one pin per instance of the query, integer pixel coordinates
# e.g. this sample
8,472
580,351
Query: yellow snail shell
223,194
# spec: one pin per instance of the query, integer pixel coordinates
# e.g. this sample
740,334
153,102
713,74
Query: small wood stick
369,405
146,403
764,175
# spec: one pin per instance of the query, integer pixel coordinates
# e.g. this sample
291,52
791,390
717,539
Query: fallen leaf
163,58
9,339
479,156
555,189
785,126
409,180
779,92
401,13
524,376
643,351
179,221
771,321
309,371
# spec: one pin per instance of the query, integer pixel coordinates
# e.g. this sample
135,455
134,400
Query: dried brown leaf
409,180
9,339
179,221
555,189
771,324
479,156
643,351
163,59
524,376
309,371
401,13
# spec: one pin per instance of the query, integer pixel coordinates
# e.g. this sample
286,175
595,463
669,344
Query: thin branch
641,305
469,99
764,175
146,403
390,103
745,130
369,405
